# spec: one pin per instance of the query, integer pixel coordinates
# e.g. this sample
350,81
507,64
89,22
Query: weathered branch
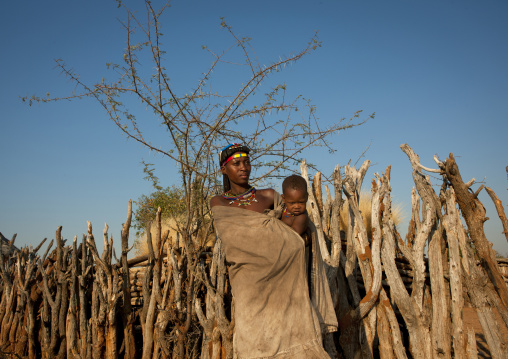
500,210
474,215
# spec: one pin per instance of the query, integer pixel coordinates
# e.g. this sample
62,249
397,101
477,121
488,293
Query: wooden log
315,216
318,192
25,337
148,312
127,313
388,332
327,211
358,248
107,289
71,329
385,339
450,222
396,337
99,296
162,316
410,309
84,330
474,215
500,210
477,283
440,307
471,349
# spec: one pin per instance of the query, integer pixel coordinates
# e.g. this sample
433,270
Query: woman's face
238,170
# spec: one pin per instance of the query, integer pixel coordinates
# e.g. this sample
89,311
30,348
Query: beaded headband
236,155
232,145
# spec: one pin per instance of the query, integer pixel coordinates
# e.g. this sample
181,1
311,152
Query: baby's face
295,200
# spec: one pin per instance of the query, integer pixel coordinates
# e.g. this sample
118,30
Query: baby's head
294,194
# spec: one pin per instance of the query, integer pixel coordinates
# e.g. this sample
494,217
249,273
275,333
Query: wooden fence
394,298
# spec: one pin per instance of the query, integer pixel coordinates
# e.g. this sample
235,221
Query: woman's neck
237,189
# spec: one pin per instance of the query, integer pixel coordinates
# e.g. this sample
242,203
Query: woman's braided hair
227,152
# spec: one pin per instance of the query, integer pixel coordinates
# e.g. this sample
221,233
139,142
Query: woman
274,315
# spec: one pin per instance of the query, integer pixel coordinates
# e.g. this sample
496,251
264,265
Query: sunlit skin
238,171
296,204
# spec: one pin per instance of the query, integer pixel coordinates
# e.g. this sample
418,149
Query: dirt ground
471,321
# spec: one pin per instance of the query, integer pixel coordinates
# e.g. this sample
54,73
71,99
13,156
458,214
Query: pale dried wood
390,341
429,211
149,301
490,327
474,215
72,320
363,253
318,192
161,312
24,319
207,320
384,337
167,279
336,254
419,333
327,210
84,330
477,284
315,215
106,287
440,328
457,299
396,336
360,241
207,326
471,350
10,331
98,321
500,210
54,303
45,317
414,223
127,314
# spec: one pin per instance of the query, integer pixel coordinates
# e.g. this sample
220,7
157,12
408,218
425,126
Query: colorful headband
228,146
236,155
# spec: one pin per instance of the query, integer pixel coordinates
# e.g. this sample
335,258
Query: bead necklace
242,199
286,213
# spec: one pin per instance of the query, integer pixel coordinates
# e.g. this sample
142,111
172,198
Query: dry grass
366,211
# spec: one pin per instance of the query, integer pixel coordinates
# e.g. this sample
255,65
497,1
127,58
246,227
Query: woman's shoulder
217,201
269,192
266,196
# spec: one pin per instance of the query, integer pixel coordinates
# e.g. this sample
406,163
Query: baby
295,195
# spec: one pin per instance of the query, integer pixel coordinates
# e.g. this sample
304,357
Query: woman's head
235,165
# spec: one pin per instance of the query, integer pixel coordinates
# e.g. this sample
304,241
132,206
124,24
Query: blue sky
434,72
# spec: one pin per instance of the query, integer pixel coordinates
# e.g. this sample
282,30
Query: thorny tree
202,119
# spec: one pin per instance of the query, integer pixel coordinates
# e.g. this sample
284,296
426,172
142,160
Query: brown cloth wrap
274,316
